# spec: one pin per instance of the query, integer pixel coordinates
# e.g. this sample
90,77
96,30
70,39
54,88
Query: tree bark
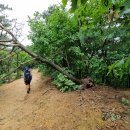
50,63
39,58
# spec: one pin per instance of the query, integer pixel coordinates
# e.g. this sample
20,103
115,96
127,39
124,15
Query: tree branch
41,59
3,48
17,68
6,40
8,45
50,63
9,32
11,55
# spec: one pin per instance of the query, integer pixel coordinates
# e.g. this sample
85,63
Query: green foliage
98,68
64,2
120,68
74,4
1,82
9,60
113,117
85,42
125,101
11,63
64,84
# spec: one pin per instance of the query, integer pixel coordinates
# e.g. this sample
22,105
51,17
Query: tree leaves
124,101
64,84
120,68
126,11
64,2
73,5
83,2
85,43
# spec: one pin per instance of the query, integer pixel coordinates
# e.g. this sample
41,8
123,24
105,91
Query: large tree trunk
14,41
50,63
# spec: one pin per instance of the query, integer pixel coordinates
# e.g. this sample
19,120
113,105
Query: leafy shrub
98,68
124,101
1,82
64,84
120,68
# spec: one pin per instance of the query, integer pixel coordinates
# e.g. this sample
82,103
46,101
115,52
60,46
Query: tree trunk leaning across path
14,41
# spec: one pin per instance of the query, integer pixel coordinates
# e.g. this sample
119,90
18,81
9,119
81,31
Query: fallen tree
13,41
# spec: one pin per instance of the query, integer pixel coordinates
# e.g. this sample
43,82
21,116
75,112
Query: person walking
27,78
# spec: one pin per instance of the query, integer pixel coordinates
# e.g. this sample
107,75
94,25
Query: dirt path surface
45,108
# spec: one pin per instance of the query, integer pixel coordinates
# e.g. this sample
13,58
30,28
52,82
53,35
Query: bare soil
46,108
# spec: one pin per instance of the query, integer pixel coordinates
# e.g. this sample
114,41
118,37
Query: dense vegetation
90,39
10,58
85,43
10,62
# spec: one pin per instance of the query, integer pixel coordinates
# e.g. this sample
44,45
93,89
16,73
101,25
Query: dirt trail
45,108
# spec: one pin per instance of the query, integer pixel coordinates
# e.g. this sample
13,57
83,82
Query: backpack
27,75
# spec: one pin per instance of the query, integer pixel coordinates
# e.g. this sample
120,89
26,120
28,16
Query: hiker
27,78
